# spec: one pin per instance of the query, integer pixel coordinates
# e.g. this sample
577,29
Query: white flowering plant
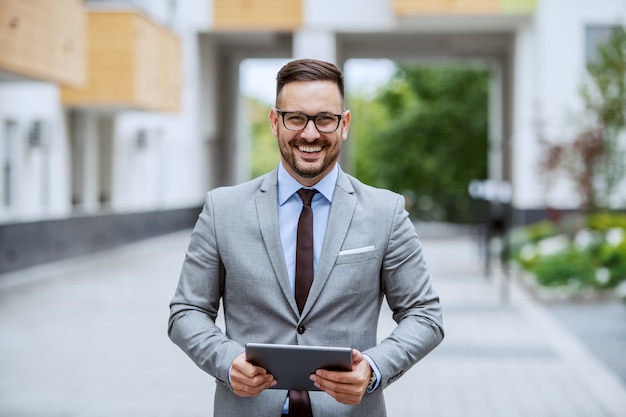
593,256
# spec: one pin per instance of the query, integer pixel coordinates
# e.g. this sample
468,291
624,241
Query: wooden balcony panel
124,61
18,33
519,6
73,43
170,74
249,15
446,7
108,31
147,64
109,85
109,46
43,40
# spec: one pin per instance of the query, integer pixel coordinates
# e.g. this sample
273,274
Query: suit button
301,329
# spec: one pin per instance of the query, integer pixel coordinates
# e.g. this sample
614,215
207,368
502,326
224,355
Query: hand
248,380
345,387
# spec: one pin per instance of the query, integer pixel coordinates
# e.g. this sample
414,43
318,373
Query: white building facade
84,169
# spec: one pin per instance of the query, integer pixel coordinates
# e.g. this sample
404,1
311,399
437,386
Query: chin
308,173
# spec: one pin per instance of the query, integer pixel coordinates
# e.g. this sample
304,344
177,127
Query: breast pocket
357,272
356,255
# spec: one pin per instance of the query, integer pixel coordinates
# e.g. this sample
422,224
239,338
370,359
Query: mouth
309,149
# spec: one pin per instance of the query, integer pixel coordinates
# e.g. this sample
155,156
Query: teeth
310,148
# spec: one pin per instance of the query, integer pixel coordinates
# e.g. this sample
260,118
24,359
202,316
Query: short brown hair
308,70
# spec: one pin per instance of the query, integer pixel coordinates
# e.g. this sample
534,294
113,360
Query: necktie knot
306,195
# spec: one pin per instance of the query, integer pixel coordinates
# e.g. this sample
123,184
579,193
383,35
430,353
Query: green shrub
593,257
541,230
521,242
569,267
606,220
613,260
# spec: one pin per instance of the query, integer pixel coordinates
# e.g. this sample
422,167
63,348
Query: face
309,155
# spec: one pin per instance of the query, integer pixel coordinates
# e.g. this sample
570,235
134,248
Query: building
117,116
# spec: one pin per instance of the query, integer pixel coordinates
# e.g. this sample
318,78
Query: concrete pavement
600,325
87,337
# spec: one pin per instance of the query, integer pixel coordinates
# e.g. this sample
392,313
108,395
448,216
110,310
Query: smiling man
305,255
309,151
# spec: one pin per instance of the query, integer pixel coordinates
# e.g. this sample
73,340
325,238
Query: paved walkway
600,325
87,337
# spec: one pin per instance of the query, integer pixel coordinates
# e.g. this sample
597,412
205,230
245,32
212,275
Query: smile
310,149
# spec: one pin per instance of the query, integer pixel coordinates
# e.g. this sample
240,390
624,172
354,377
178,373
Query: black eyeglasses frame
310,117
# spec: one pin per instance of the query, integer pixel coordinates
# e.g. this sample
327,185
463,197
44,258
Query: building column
315,44
90,164
495,156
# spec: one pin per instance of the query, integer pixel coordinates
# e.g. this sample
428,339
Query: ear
345,125
273,118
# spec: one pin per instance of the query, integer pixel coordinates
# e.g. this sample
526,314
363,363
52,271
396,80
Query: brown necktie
299,403
304,248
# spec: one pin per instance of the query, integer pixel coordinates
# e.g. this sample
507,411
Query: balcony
257,15
43,40
133,63
406,8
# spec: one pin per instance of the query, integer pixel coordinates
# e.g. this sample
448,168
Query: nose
310,131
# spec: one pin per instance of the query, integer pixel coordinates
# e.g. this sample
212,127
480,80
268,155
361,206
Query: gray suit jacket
235,255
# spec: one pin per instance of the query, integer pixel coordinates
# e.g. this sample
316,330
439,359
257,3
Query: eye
296,118
326,118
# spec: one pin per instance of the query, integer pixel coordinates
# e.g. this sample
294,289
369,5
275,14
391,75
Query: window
8,161
596,35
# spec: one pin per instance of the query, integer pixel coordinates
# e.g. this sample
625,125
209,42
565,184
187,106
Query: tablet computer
292,365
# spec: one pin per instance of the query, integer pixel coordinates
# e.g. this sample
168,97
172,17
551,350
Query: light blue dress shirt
289,208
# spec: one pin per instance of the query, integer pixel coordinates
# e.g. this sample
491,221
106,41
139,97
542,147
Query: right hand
248,380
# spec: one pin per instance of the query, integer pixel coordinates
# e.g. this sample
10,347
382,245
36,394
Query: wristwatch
372,382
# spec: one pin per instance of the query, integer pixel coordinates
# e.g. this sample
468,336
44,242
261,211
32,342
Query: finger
248,380
336,383
240,364
252,387
356,376
345,387
357,357
343,393
251,380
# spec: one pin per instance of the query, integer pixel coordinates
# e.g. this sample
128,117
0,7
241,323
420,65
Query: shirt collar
287,185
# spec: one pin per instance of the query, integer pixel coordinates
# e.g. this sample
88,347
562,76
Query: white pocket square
357,250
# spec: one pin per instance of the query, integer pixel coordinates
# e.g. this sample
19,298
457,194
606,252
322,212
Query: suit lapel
340,217
267,215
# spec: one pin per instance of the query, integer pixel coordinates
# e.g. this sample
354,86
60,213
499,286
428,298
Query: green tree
265,153
425,135
604,96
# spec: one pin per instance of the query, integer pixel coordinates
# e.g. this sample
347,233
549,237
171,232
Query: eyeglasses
297,121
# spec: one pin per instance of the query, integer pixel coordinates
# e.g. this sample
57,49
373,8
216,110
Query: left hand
345,387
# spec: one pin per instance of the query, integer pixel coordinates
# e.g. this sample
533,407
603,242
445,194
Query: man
243,252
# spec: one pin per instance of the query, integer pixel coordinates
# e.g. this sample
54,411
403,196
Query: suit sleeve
195,305
414,303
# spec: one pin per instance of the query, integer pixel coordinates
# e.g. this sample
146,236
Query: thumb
357,357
